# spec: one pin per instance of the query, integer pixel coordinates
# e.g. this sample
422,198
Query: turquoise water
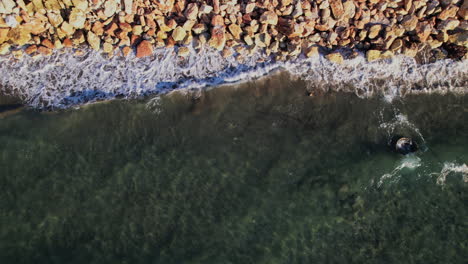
257,173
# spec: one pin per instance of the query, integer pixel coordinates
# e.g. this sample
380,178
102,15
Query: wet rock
396,45
312,52
218,38
44,51
108,48
372,55
405,146
4,48
335,58
94,41
423,31
48,44
455,51
179,33
144,49
30,50
183,51
463,12
126,51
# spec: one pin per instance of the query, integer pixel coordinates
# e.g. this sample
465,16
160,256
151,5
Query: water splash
65,79
408,162
401,125
449,168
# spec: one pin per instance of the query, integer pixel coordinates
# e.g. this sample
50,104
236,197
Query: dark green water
258,174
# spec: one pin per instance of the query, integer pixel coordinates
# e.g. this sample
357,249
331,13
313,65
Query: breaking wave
65,79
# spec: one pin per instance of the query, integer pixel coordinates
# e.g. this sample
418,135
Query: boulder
4,48
312,51
4,34
30,50
191,12
235,30
269,17
179,33
55,19
372,55
374,31
110,7
449,12
126,51
128,4
145,48
19,36
335,58
218,38
337,9
449,24
77,18
80,4
94,41
409,22
8,6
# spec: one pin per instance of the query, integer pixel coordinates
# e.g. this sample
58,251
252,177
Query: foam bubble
64,79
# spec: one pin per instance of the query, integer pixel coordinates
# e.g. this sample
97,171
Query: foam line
63,79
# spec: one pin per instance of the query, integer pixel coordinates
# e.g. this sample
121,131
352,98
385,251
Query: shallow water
256,173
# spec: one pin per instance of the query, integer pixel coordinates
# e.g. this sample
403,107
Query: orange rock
47,43
31,49
67,43
98,28
145,48
111,29
126,50
133,39
125,27
44,51
217,21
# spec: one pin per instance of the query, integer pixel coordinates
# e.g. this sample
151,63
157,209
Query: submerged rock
405,146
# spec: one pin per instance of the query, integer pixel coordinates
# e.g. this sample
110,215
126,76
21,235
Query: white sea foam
449,168
63,79
409,162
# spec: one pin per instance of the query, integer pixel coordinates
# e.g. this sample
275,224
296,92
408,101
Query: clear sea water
258,172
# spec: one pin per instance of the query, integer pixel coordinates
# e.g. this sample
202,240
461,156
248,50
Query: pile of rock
281,28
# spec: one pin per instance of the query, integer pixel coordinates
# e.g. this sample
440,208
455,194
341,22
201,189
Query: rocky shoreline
283,29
